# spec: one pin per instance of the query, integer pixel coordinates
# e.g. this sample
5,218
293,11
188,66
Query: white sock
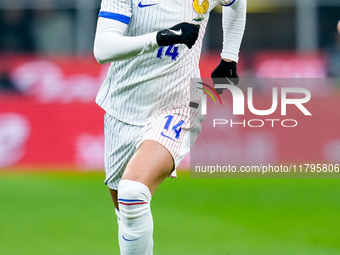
135,224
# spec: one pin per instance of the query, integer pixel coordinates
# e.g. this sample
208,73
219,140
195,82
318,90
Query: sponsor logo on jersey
140,5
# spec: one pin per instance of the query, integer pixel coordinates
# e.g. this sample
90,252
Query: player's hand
225,73
184,33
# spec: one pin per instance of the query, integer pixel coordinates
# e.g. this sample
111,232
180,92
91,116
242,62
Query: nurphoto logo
244,101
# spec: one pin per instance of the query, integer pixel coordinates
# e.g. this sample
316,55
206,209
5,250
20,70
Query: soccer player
152,110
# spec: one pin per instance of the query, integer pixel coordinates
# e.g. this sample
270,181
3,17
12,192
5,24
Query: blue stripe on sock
130,200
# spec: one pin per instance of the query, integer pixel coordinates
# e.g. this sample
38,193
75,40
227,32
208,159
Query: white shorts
176,130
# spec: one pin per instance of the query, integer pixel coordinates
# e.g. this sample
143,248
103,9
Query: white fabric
226,2
233,23
122,140
135,224
122,7
120,145
110,44
139,87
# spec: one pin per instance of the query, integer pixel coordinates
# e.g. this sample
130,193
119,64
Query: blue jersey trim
230,3
115,16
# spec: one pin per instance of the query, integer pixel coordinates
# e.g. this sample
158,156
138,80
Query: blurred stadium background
52,199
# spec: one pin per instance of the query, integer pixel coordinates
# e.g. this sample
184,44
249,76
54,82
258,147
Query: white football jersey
140,87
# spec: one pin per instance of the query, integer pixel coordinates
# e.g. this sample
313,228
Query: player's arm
233,24
111,44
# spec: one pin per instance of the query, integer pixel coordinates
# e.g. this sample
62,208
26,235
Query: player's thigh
150,165
163,144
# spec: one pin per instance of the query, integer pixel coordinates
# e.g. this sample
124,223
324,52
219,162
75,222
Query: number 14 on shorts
172,130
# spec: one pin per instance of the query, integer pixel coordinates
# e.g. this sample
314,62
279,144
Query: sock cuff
131,188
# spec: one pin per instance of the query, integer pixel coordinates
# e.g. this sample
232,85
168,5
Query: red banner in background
53,121
276,139
289,65
63,79
50,117
59,135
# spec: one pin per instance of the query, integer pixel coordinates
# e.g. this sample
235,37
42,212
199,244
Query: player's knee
133,199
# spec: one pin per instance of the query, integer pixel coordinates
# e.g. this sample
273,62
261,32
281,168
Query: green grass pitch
71,213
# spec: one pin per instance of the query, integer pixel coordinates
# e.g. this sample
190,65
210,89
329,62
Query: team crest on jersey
200,9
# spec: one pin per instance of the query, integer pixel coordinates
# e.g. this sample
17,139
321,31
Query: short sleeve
120,10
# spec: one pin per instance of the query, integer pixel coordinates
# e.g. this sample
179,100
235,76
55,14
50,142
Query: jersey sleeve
119,10
233,23
111,45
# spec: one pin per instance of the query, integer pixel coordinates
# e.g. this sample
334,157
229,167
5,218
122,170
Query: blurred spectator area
48,26
62,26
278,34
